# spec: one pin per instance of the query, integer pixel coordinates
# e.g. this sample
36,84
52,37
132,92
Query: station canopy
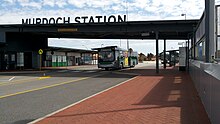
168,29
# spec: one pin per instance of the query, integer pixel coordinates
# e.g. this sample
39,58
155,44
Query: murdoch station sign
78,19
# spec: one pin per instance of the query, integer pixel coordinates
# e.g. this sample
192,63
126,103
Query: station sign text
68,20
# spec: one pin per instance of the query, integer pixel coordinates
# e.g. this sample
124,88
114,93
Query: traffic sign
40,51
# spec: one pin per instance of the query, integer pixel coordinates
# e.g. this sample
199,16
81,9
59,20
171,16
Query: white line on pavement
11,79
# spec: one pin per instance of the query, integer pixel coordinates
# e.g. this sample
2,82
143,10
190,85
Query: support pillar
187,57
164,55
209,30
157,52
194,46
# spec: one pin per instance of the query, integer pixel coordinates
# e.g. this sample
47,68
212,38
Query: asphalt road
25,97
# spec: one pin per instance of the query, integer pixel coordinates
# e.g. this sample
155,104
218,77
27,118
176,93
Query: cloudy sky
12,12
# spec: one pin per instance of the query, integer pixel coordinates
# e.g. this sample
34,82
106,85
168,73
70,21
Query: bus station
186,93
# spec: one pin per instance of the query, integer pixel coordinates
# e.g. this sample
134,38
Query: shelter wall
206,78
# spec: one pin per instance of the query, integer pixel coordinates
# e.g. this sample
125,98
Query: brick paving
165,98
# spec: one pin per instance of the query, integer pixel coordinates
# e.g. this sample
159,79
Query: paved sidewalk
165,98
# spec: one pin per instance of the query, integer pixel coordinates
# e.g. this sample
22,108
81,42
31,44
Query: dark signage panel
2,37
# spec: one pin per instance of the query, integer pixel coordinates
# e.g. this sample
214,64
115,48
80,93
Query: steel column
209,29
164,55
157,52
207,4
187,57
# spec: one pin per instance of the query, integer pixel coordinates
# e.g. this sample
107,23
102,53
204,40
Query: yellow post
40,51
40,61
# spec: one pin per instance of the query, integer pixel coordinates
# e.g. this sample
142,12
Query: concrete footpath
166,98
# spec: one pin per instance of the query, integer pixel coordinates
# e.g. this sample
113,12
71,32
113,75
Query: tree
142,57
150,56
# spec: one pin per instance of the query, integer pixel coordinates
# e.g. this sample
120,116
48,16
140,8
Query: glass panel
218,20
20,59
218,48
106,55
217,52
201,30
12,57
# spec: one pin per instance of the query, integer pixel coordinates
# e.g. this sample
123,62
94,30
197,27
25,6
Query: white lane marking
89,71
76,71
6,80
35,121
11,79
63,71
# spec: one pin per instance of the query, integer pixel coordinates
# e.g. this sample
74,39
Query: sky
13,11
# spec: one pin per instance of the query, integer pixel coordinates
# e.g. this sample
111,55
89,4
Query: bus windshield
106,56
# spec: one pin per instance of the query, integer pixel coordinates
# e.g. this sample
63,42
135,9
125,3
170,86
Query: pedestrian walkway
165,98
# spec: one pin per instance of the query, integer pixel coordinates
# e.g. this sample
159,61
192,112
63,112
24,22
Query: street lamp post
184,15
102,45
85,47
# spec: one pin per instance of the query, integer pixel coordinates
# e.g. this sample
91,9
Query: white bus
113,57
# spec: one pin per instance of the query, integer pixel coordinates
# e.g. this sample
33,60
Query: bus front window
106,56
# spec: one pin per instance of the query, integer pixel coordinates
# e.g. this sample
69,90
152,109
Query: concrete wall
206,77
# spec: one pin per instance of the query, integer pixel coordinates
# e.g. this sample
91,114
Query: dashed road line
11,79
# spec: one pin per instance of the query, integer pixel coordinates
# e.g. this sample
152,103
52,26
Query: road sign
40,51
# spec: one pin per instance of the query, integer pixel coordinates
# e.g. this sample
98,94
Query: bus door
126,59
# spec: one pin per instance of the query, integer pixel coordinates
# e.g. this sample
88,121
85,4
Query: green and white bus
114,57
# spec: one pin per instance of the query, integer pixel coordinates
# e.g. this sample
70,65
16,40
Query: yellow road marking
24,80
45,87
44,77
